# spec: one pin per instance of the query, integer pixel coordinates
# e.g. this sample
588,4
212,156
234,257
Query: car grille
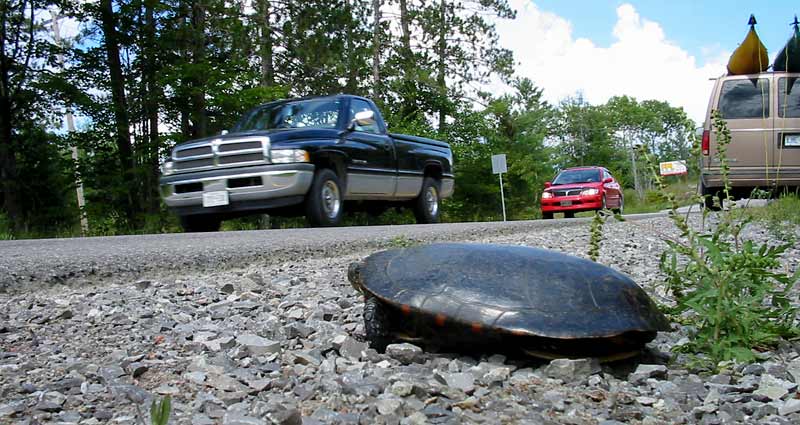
567,192
221,153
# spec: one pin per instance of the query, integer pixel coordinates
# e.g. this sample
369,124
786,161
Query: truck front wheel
200,223
324,203
426,206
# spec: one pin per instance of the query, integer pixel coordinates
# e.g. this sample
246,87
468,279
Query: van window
789,98
744,99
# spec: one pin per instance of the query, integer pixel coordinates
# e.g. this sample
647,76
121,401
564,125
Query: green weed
159,412
732,290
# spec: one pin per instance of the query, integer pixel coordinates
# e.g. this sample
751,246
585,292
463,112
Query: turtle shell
520,290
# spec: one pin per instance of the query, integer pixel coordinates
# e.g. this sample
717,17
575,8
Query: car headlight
547,195
167,168
589,192
285,156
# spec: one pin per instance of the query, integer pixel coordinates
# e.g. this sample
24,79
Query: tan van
763,114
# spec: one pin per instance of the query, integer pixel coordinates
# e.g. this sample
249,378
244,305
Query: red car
581,189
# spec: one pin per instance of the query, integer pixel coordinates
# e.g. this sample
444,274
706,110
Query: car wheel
324,204
200,223
547,215
569,215
426,206
621,207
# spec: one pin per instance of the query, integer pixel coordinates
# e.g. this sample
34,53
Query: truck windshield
577,176
322,113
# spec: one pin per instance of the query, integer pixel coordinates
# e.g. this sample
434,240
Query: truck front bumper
247,188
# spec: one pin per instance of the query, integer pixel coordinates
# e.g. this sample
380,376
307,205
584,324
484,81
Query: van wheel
324,206
200,223
708,195
426,206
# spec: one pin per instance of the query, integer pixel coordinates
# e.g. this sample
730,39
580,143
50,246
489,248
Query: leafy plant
732,289
160,412
402,241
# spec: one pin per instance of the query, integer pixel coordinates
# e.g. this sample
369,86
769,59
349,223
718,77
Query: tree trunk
198,91
352,71
267,66
409,109
440,78
8,161
151,106
376,50
123,136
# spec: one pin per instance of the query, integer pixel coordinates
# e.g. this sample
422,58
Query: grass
781,216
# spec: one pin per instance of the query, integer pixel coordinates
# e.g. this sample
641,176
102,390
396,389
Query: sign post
499,167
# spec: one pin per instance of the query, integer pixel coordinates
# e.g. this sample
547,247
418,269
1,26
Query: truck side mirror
362,119
547,184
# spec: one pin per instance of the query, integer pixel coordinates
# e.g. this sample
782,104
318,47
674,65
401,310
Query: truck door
372,169
786,160
745,105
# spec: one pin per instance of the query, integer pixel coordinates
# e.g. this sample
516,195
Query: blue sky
697,26
664,50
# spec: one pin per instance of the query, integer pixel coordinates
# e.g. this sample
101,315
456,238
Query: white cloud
641,62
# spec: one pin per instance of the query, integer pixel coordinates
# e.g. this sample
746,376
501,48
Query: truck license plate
215,199
566,203
791,140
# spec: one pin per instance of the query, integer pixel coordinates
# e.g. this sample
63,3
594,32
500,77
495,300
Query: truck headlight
286,156
167,168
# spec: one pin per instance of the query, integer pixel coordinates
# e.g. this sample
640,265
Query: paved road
29,264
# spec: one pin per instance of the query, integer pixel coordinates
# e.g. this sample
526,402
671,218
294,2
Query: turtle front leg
376,324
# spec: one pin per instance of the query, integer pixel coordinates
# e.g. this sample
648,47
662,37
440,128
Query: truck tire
324,203
200,223
428,203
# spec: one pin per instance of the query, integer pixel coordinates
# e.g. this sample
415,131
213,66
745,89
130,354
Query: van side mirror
547,184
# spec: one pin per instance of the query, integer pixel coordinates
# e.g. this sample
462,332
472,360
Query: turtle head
355,278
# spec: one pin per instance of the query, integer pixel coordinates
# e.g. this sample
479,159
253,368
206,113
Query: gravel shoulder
278,341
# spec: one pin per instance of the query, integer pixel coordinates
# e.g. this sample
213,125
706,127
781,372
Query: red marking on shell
406,309
440,319
477,327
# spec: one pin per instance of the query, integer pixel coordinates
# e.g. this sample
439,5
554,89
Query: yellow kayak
751,56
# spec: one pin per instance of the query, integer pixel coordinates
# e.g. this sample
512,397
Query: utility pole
71,129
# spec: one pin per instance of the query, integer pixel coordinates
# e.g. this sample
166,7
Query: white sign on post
673,168
499,167
499,164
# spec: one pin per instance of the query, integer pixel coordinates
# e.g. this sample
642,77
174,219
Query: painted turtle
545,303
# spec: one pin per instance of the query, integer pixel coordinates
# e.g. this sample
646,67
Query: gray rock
227,289
405,353
257,345
571,370
352,349
790,406
462,381
225,383
646,371
388,406
286,417
234,418
402,388
753,369
12,408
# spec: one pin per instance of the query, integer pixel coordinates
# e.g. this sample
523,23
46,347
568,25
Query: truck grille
221,153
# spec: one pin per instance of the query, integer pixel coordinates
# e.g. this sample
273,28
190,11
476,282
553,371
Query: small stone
406,353
137,369
646,401
646,371
286,417
753,369
225,383
388,406
234,418
142,284
11,409
219,344
462,381
28,388
791,406
352,349
196,377
570,370
227,289
402,388
257,345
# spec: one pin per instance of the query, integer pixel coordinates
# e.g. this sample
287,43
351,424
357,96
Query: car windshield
322,113
577,176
